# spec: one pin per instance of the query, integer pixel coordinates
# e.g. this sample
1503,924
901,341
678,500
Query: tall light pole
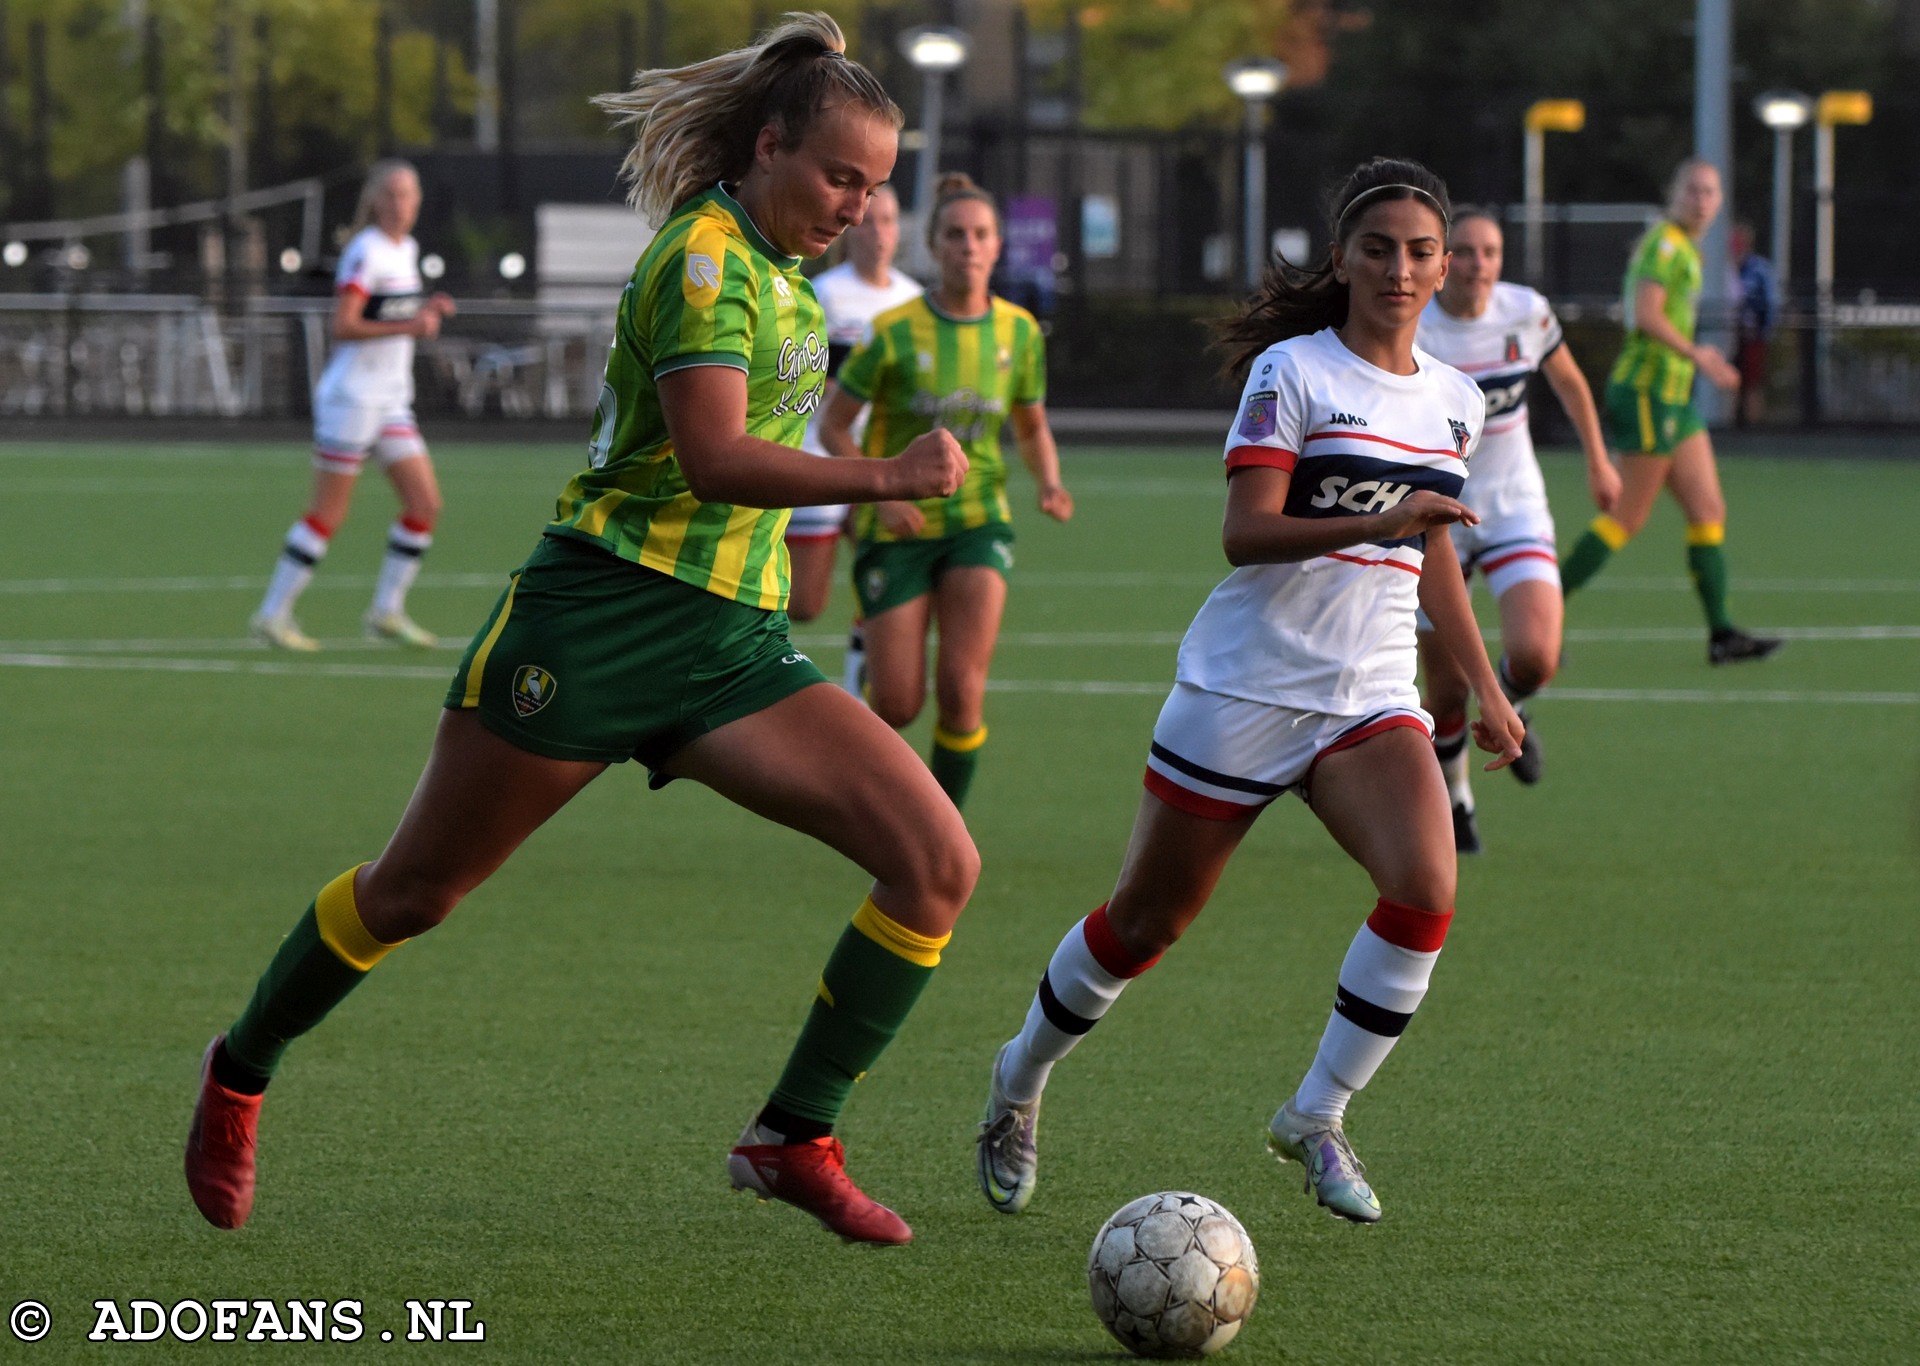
934,52
1784,111
1256,80
486,74
1543,117
1834,108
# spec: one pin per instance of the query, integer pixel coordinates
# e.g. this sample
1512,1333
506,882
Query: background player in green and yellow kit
961,359
1650,415
649,624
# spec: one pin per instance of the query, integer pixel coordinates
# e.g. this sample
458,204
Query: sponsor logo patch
533,688
1258,419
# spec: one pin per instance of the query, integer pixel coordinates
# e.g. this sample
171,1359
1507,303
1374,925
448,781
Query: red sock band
1409,927
1106,949
419,526
318,528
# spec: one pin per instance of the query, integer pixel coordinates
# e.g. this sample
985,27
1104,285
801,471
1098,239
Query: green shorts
1640,424
888,573
588,656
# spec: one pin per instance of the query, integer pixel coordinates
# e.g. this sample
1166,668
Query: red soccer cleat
813,1176
220,1148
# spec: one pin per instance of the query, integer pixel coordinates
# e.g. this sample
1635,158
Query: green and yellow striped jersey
1669,258
709,290
921,369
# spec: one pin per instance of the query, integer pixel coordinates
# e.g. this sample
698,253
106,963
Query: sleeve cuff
354,287
1272,457
731,359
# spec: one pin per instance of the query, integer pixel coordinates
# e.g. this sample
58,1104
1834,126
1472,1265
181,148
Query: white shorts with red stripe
1222,757
344,434
1514,547
817,523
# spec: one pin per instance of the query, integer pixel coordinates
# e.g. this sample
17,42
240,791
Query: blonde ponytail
696,125
951,188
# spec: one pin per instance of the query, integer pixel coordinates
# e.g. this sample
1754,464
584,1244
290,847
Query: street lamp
1783,111
1256,80
1543,117
934,52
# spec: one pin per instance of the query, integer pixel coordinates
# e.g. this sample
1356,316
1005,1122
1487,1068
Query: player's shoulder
899,313
1450,381
1514,302
1013,313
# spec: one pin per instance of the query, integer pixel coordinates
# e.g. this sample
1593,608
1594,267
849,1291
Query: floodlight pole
1781,238
486,74
1543,117
1713,143
1254,214
933,112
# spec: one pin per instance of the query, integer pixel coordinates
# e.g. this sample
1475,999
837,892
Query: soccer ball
1173,1275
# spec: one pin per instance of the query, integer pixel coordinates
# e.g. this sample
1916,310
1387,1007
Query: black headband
1366,195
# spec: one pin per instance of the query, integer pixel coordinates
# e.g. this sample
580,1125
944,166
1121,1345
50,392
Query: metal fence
167,356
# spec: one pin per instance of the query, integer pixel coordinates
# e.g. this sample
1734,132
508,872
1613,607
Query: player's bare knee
1531,670
1429,889
896,709
397,905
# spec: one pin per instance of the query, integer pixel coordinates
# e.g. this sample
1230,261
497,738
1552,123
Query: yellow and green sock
328,954
1707,563
872,979
1591,552
954,759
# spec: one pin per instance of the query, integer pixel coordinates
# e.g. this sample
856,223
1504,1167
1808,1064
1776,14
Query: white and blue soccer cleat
1008,1160
1334,1174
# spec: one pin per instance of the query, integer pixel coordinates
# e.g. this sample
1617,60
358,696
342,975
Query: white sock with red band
1083,979
1382,982
407,541
305,547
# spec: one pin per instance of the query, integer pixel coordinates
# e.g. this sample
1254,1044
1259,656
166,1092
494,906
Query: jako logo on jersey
1346,420
1369,495
1461,435
533,688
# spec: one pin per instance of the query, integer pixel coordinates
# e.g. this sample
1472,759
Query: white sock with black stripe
407,541
1083,979
1450,748
1382,983
305,547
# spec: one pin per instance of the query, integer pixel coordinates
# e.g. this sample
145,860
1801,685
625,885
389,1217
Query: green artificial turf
1660,1106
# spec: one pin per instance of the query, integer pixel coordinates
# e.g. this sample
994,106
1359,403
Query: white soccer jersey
851,305
378,372
1499,350
1334,634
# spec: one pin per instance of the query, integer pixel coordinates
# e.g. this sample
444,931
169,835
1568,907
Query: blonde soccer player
649,624
363,409
1652,419
957,359
1344,469
1500,334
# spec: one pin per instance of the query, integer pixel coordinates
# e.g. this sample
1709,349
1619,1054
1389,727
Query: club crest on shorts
533,688
1461,435
876,582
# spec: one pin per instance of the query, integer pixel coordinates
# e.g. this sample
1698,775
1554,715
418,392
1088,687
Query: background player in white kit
1499,334
364,405
852,294
1344,468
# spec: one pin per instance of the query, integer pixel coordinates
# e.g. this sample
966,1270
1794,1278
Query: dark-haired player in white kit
1500,334
1344,469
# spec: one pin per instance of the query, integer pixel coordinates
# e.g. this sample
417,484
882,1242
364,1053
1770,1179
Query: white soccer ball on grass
1173,1275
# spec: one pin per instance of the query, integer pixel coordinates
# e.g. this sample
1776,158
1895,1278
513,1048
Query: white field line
816,640
1038,578
1072,687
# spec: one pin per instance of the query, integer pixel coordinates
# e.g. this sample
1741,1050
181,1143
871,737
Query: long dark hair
1293,301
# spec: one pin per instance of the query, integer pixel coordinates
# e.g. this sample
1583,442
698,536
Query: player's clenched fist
932,466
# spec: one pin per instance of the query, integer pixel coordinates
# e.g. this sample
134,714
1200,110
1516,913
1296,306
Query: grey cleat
1008,1161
